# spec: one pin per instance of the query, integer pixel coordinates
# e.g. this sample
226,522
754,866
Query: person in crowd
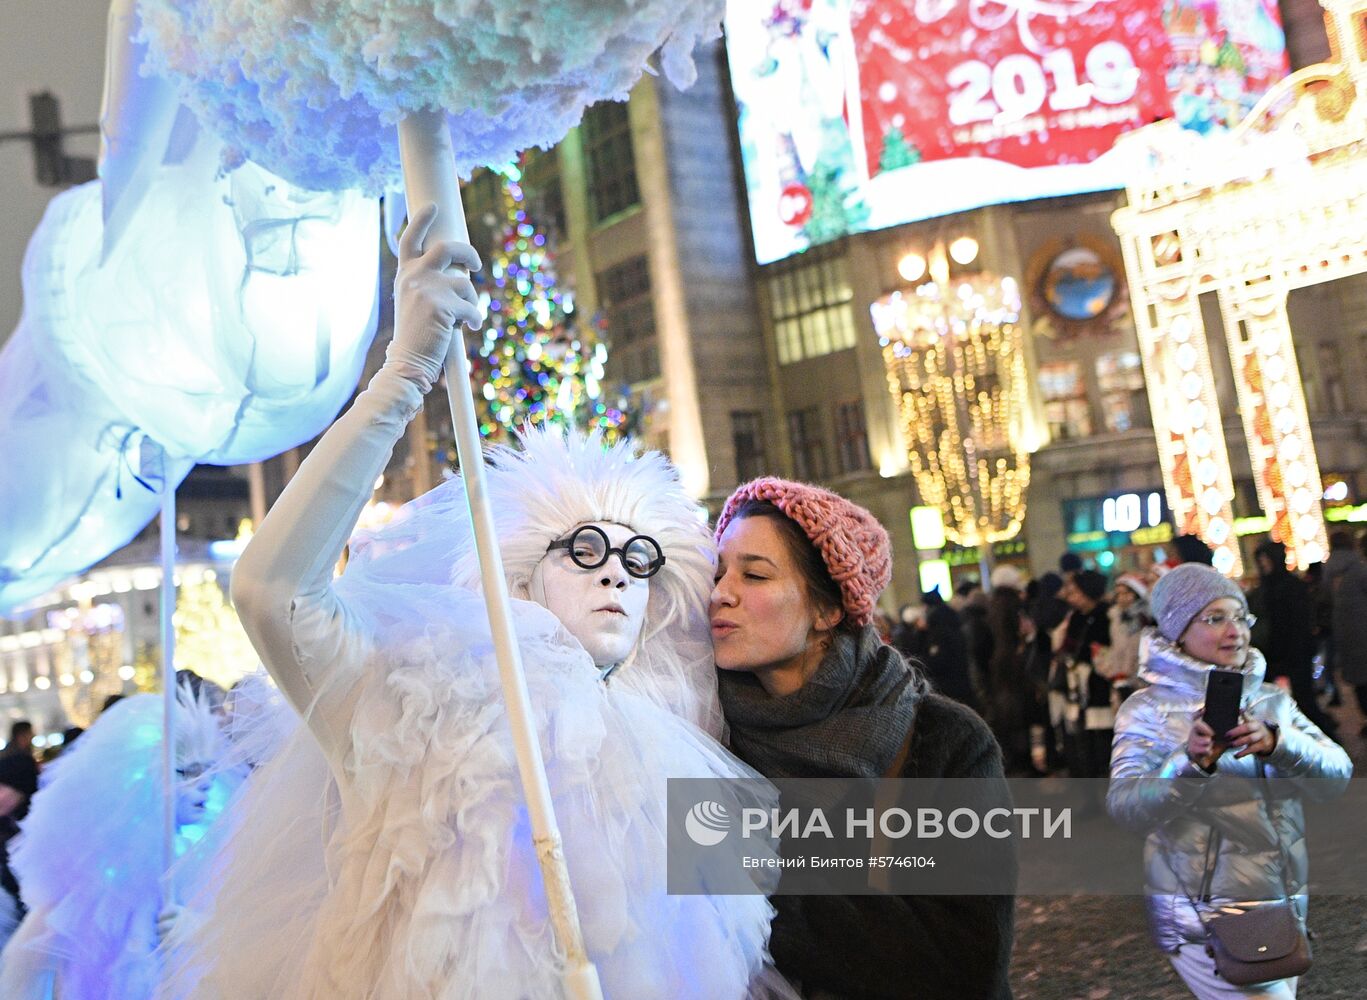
1191,549
1080,685
1201,832
1046,612
1129,617
908,635
977,638
1008,685
1068,564
809,691
1319,600
90,856
1345,582
423,879
962,590
1285,633
18,785
944,651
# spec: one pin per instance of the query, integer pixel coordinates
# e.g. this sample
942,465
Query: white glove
167,920
429,300
176,922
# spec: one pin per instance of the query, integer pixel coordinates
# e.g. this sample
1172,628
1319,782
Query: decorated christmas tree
838,206
1230,58
896,151
540,362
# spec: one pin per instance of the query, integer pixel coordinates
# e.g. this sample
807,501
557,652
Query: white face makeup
603,608
192,795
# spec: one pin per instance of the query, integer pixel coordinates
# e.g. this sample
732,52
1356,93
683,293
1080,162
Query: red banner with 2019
1029,82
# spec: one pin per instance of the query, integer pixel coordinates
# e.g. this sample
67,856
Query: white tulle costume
386,851
89,857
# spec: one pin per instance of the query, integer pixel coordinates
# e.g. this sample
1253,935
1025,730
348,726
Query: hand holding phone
1202,746
1224,688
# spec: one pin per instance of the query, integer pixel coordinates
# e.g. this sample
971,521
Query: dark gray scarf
849,720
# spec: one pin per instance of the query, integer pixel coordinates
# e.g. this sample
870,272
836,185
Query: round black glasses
589,548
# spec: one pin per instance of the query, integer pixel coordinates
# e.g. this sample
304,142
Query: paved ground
1098,948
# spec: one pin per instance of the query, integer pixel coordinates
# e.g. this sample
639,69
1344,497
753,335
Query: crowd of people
1048,661
381,846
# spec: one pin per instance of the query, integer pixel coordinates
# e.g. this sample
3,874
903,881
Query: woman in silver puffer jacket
1165,758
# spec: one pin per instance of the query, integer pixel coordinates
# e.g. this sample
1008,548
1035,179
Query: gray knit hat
1183,591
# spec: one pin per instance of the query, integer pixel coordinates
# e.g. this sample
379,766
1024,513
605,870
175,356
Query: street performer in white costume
386,852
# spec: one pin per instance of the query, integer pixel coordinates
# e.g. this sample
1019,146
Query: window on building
624,293
1331,375
610,160
1065,399
809,451
810,303
1361,359
541,190
851,437
747,437
1314,398
1120,378
624,296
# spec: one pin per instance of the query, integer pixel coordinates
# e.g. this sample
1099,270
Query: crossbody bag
1257,942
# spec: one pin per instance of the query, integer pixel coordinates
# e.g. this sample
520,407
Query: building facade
1096,483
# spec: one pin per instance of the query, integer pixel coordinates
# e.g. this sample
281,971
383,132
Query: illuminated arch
1279,203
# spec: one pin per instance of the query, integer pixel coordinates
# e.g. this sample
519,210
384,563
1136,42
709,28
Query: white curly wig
539,492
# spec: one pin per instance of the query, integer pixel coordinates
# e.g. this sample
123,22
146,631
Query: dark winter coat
1345,579
1285,632
945,654
856,947
1007,685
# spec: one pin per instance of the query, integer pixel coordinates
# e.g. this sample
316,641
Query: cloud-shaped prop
312,89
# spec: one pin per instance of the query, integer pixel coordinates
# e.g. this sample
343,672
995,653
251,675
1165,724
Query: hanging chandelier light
956,369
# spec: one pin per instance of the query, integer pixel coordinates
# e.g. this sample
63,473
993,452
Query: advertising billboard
862,114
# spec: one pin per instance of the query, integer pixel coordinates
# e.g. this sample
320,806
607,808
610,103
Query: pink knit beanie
854,546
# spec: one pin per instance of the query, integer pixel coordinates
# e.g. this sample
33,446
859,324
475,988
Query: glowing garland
956,371
536,364
1283,206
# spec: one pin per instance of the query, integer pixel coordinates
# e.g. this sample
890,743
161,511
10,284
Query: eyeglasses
589,548
1219,619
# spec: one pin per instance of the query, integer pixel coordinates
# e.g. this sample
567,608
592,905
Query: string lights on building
956,371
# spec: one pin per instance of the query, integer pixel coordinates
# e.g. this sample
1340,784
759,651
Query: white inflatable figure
173,314
89,855
386,851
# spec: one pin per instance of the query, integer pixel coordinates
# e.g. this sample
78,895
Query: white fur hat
1008,577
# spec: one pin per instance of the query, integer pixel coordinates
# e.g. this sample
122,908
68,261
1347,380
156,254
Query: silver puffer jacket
1156,789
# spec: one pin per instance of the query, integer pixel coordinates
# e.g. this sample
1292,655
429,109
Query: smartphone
1223,689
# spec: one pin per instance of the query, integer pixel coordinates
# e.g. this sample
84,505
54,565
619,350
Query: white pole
168,687
429,174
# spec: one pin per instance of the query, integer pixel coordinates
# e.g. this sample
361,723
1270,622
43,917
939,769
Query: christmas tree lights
540,362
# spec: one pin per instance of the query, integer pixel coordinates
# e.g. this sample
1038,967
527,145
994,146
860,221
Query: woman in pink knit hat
810,691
